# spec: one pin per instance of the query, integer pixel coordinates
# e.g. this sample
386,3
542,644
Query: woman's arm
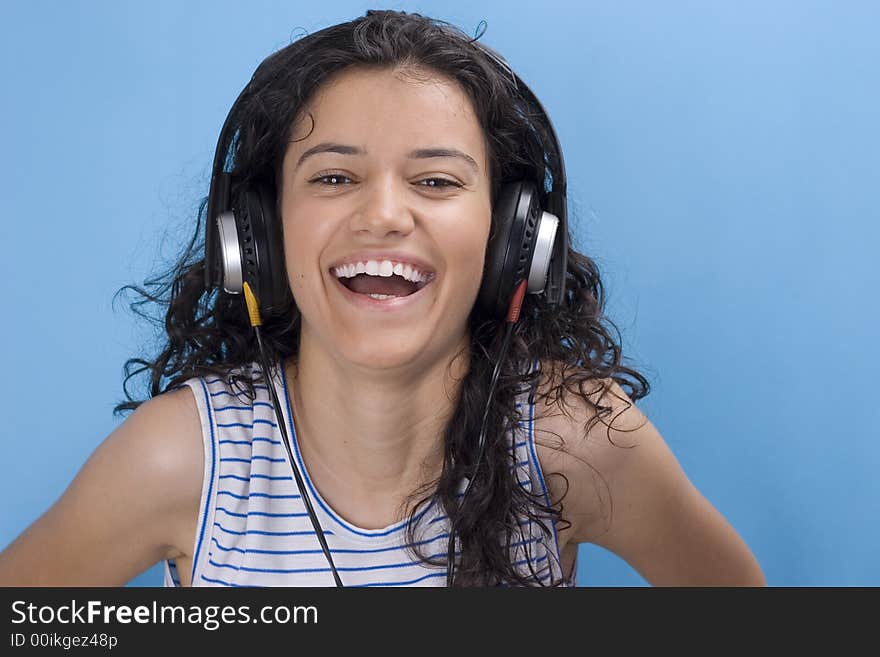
127,508
655,519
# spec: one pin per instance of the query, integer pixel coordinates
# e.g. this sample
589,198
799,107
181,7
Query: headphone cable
512,317
256,322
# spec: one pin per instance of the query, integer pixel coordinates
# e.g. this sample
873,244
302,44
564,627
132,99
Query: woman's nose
385,209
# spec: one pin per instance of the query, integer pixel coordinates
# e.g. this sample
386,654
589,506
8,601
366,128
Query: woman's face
393,174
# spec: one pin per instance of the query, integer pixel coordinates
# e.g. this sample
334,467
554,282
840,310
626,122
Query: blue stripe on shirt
264,533
204,521
243,408
246,426
405,583
255,458
244,497
332,550
248,442
348,569
262,513
255,476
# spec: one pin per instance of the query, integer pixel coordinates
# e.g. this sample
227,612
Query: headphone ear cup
510,248
262,247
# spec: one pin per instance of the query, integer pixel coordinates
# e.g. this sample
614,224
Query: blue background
723,171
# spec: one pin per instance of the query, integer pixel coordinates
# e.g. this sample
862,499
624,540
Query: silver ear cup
231,254
543,252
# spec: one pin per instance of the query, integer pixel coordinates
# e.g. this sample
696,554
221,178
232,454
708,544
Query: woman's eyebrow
440,151
419,153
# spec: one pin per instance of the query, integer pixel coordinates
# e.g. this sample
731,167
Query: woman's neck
370,438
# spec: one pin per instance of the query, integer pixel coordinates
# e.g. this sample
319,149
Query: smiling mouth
381,280
382,287
383,302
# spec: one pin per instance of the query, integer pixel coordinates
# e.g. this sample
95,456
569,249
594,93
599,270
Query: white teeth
381,268
383,296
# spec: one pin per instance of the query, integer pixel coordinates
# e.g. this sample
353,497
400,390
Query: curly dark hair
207,332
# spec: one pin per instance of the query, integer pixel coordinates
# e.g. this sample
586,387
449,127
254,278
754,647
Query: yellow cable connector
253,307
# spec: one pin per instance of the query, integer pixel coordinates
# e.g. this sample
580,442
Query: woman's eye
333,180
444,181
332,176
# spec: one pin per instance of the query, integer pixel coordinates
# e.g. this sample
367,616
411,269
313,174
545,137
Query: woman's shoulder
164,436
628,494
584,434
171,423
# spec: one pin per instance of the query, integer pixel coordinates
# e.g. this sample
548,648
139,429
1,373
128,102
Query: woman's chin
389,348
386,354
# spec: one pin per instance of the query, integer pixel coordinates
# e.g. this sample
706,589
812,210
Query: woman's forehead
345,86
387,107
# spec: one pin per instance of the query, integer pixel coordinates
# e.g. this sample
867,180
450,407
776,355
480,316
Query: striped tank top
253,528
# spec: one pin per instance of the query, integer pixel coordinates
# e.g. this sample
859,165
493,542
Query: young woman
385,191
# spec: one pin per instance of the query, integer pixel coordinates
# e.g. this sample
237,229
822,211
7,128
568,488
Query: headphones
528,242
527,252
